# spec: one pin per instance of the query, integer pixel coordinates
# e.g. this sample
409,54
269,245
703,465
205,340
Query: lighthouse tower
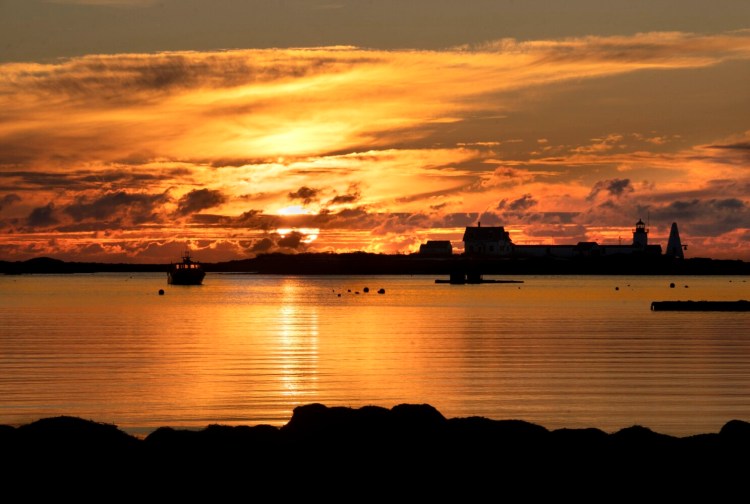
674,245
640,235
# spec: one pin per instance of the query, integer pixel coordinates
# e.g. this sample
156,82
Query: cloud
199,199
741,146
521,204
8,200
120,207
712,217
613,187
291,242
304,194
344,198
106,3
352,196
42,216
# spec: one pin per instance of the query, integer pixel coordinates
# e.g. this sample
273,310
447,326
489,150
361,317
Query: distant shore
407,447
361,263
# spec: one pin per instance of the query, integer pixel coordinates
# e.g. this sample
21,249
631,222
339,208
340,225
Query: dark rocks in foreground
406,448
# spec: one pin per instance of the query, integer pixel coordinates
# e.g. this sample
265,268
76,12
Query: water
559,351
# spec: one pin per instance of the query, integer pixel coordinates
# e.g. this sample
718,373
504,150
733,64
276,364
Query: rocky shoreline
407,447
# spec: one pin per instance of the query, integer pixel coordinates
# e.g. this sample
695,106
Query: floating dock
461,278
740,305
482,281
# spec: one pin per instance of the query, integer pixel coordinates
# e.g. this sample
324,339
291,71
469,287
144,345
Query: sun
295,210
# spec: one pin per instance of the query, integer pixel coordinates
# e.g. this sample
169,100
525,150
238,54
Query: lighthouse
674,245
640,235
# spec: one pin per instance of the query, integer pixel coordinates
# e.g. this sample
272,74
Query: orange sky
132,156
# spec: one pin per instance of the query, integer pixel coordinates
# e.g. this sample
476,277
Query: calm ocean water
559,351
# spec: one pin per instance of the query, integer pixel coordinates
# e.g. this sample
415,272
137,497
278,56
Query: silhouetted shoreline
361,263
383,449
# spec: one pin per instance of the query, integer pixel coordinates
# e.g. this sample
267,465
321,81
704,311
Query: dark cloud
459,220
209,219
232,162
42,216
567,233
263,245
274,242
686,210
729,204
76,180
712,217
518,205
344,198
304,194
129,78
491,219
199,199
250,214
8,200
393,223
124,207
740,146
614,187
293,240
25,180
352,195
348,218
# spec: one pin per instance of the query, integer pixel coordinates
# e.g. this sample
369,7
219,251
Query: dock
461,278
740,305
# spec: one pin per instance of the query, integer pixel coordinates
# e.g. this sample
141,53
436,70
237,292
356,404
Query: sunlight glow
295,210
308,235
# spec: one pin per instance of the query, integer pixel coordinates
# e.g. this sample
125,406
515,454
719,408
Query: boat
187,272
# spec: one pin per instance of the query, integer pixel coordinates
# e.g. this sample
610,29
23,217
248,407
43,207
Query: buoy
366,289
671,286
381,291
617,288
161,292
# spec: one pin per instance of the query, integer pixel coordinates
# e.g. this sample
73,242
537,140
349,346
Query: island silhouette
364,263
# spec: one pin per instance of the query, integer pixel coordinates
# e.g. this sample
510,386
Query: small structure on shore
494,241
436,248
674,245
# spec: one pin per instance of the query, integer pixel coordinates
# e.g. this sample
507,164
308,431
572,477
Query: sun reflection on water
298,343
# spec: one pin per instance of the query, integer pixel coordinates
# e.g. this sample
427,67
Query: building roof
436,247
497,233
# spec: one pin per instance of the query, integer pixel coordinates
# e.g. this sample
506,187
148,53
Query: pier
740,305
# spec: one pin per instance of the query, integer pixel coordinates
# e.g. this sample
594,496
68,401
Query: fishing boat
187,272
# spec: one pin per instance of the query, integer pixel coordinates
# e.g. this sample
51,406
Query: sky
131,130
